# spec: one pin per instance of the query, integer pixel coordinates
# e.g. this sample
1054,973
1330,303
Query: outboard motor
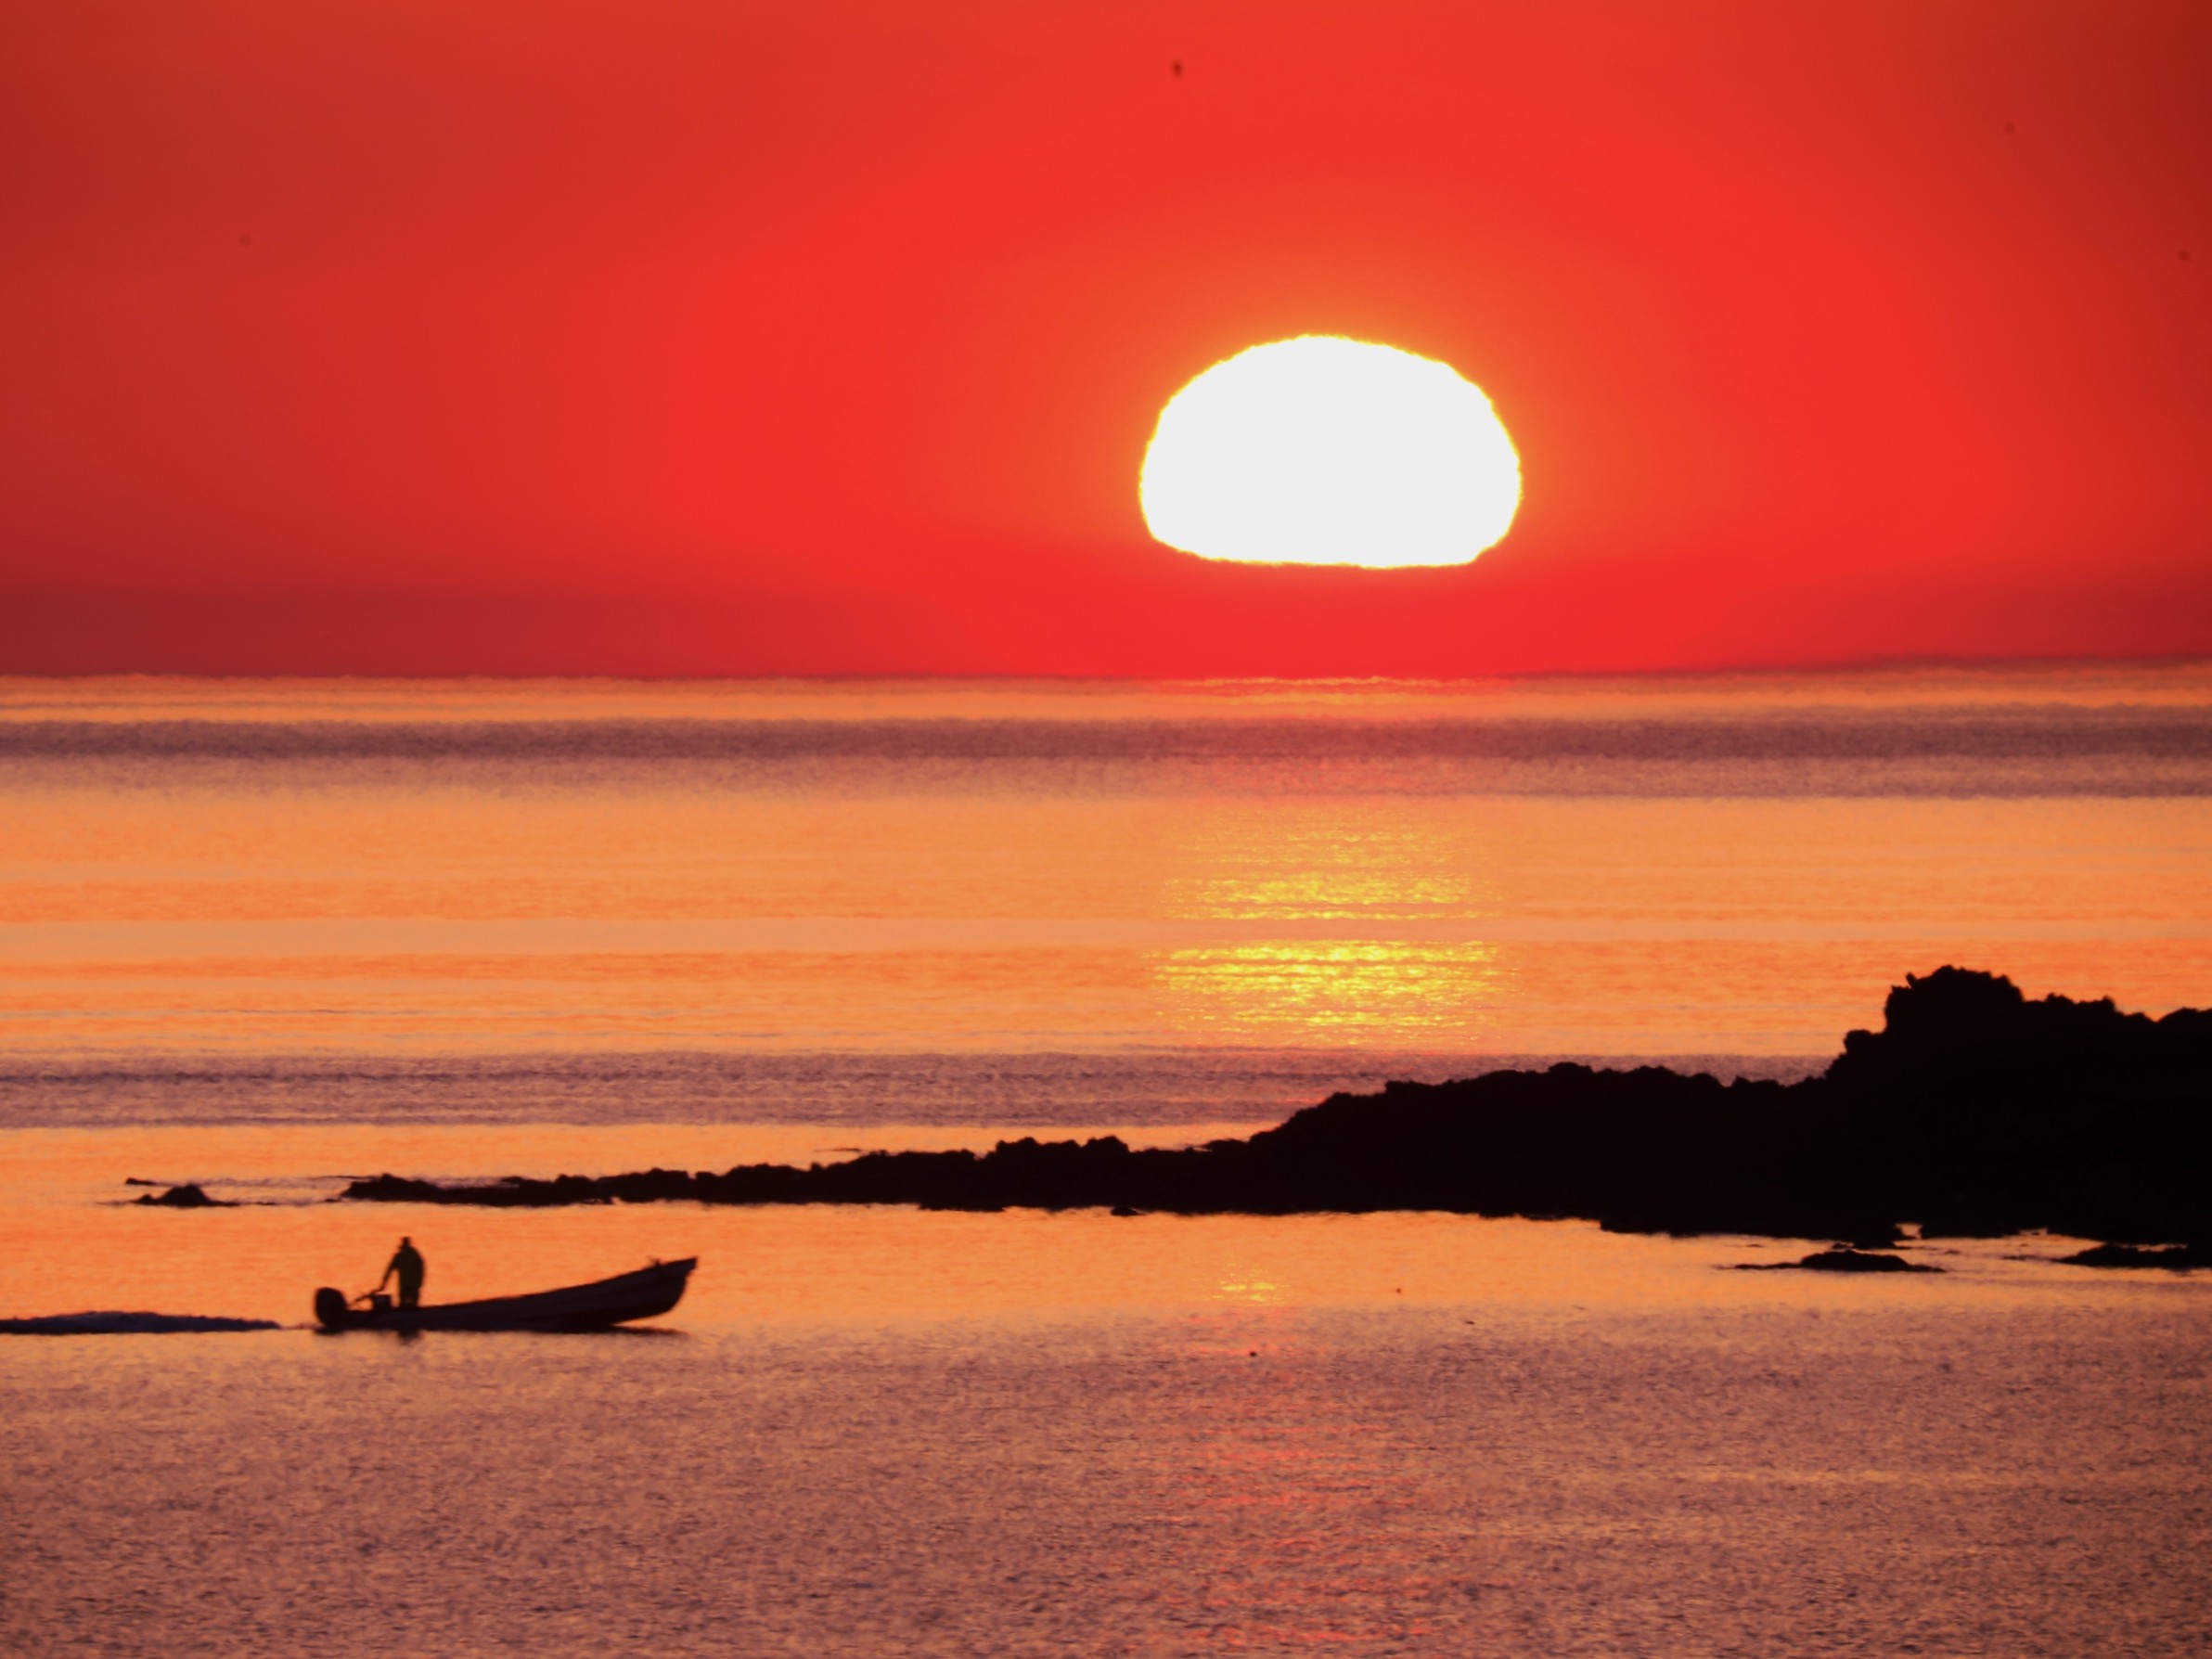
330,1308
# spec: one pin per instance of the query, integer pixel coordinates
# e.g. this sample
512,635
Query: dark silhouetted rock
1842,1258
127,1324
2178,1258
1973,1112
187,1197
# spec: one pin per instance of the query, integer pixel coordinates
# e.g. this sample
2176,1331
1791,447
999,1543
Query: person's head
405,1241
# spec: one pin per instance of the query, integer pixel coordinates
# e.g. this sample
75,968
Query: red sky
703,337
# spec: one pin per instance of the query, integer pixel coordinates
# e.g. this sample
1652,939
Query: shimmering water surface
1731,867
269,936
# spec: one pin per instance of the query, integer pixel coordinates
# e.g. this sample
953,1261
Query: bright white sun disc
1326,451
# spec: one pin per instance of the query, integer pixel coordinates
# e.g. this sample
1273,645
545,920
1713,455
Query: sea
269,936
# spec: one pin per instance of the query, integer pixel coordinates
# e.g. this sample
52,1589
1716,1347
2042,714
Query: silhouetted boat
644,1295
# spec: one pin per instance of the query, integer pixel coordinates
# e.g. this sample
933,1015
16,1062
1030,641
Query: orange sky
444,336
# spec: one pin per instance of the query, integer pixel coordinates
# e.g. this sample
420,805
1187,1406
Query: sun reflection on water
1242,1284
1333,991
1387,860
1328,876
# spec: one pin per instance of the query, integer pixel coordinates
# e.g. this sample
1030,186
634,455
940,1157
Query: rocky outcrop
1973,1111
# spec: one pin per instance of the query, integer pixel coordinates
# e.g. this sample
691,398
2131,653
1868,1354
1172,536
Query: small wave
126,1324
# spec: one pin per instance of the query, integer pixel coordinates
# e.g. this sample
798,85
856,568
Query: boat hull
644,1294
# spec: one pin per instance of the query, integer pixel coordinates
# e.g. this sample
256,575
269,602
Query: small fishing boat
644,1295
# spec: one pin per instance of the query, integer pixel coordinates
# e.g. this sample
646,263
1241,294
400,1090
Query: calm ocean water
270,935
1334,880
885,1433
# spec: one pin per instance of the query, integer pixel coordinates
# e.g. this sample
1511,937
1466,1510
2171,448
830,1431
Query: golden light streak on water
1376,992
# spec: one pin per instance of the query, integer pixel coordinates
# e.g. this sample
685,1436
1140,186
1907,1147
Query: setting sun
1327,451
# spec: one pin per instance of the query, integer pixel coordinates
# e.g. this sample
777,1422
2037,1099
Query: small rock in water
117,1323
2177,1258
190,1196
1843,1258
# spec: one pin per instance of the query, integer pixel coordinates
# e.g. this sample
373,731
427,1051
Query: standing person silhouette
406,1261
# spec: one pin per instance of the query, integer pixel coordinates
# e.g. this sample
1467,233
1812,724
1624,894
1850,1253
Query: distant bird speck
1177,67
